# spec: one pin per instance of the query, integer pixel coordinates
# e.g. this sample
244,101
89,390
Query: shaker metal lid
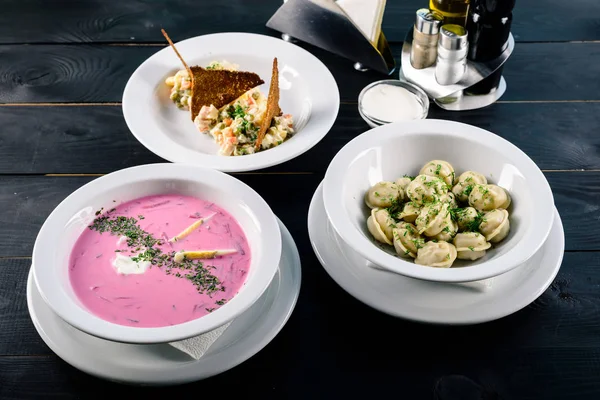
428,21
453,37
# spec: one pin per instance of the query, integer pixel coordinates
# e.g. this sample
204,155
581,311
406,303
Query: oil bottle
454,11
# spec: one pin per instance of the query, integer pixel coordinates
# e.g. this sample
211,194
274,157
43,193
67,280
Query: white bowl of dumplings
438,200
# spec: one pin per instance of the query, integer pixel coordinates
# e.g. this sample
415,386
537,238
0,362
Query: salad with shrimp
235,126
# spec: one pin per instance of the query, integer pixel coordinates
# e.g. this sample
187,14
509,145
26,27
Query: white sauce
126,266
391,103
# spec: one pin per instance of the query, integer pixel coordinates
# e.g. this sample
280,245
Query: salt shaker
425,38
452,54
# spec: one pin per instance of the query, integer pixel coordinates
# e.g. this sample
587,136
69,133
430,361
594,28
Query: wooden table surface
62,73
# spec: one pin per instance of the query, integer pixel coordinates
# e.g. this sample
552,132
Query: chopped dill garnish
139,239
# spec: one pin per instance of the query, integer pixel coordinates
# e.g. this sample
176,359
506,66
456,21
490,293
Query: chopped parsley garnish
438,169
471,248
412,178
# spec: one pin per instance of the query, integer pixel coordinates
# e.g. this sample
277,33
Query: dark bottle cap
498,8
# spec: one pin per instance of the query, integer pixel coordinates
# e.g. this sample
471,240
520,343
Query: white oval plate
161,364
308,91
433,302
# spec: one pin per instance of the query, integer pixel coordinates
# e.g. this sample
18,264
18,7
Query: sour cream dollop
390,103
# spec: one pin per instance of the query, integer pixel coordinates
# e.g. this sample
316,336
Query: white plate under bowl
73,215
161,364
433,302
308,91
388,152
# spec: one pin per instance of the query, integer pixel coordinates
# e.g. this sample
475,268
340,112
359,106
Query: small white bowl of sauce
391,100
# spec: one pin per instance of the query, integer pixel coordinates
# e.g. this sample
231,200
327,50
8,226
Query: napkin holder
452,97
324,24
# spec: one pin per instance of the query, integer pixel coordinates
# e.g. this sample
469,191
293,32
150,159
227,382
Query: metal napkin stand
324,24
452,97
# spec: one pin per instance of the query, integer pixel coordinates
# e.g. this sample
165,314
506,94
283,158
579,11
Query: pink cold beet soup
149,262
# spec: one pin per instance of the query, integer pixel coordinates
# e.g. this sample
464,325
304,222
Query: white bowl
308,91
390,151
64,225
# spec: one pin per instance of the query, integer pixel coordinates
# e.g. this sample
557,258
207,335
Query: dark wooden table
62,73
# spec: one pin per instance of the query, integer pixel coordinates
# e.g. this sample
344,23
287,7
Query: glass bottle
454,11
488,26
451,61
423,51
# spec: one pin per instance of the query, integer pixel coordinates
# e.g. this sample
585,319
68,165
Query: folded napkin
198,345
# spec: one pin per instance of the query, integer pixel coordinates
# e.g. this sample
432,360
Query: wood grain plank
85,139
28,200
139,21
549,350
98,73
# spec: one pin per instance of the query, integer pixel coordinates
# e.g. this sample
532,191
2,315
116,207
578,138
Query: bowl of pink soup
156,253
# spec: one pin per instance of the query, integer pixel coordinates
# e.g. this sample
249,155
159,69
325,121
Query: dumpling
466,218
450,199
470,245
439,169
403,182
488,197
425,189
495,225
436,254
383,195
447,233
465,183
407,240
433,219
409,213
381,225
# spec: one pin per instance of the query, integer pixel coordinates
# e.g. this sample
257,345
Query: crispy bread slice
219,87
272,105
216,87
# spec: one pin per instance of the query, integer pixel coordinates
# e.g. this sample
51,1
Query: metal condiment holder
452,97
324,24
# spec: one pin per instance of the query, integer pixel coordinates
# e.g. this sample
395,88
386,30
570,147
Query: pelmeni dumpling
450,199
447,233
495,225
409,213
383,194
407,240
436,254
424,189
488,197
381,225
470,245
439,169
466,218
433,218
465,183
403,182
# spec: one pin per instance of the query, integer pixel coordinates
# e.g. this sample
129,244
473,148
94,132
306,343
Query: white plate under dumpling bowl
390,151
308,91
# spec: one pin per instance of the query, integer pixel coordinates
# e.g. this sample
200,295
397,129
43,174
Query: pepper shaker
425,38
452,54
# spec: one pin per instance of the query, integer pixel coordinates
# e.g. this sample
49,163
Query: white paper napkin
197,346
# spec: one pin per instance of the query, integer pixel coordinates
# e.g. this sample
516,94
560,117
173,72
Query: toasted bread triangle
219,87
216,87
272,105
